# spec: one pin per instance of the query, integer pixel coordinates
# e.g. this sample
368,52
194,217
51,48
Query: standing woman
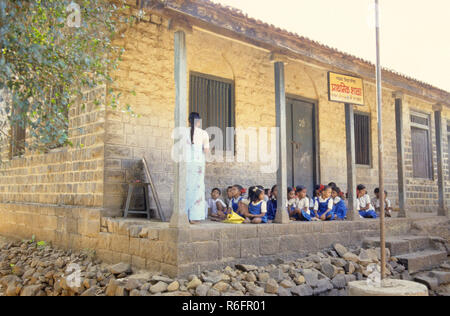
195,170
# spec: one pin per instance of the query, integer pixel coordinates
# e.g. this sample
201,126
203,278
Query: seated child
217,209
229,195
387,203
266,195
272,204
324,206
317,192
340,209
235,203
365,207
303,205
293,211
257,209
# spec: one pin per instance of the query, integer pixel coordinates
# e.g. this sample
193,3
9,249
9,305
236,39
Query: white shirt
304,204
376,203
364,201
201,137
212,204
337,199
320,200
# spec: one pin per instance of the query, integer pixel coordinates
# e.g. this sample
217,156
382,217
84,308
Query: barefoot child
272,204
340,209
257,209
324,206
217,209
365,207
387,203
303,205
236,204
293,211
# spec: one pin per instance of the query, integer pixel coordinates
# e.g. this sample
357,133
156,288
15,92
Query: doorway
301,143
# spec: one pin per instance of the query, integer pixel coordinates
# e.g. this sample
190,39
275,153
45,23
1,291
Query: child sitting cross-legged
293,211
387,203
365,207
340,209
303,205
217,209
257,209
272,204
324,206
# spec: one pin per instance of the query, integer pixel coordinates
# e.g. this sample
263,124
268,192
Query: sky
415,34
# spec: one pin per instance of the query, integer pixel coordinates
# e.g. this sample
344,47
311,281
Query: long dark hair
192,118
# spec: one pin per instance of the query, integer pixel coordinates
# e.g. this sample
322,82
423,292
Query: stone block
206,251
250,247
269,246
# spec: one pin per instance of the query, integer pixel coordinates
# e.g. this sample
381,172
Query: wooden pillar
280,104
179,216
400,154
440,161
351,170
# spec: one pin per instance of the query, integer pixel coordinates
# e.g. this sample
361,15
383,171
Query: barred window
213,99
420,143
362,139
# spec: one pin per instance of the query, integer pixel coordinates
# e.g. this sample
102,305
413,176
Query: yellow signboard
345,89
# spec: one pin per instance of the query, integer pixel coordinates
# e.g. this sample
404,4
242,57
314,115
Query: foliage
46,62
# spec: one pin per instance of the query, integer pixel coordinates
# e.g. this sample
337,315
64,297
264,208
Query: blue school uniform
307,217
340,209
271,209
323,207
235,204
368,214
292,208
255,209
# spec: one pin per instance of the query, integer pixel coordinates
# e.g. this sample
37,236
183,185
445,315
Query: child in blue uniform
317,192
236,201
324,206
293,211
303,205
257,209
272,204
340,209
365,207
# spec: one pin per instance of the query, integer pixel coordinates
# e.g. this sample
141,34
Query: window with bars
362,139
213,99
420,143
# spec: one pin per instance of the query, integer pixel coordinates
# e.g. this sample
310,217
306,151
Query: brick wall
64,176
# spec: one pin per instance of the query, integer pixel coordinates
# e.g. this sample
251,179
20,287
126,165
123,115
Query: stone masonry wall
146,81
64,176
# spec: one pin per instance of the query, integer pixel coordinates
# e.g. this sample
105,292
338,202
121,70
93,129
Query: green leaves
45,64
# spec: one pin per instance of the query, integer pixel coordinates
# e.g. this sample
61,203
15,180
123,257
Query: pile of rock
29,269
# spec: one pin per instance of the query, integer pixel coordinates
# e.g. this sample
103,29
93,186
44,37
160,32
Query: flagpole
380,144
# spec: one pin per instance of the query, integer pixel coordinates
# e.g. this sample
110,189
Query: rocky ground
30,268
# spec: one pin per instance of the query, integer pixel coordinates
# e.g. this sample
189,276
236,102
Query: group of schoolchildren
258,205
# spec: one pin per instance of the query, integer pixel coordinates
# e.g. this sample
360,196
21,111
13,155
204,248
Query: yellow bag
234,218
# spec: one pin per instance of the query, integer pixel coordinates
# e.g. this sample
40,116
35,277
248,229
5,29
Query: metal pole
380,144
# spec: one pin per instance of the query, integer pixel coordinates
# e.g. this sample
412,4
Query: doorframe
316,143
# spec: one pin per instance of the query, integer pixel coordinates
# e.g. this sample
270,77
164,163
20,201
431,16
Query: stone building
233,64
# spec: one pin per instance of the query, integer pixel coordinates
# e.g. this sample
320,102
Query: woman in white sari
195,170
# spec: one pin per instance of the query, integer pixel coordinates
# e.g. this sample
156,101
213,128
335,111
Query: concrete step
422,260
400,245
